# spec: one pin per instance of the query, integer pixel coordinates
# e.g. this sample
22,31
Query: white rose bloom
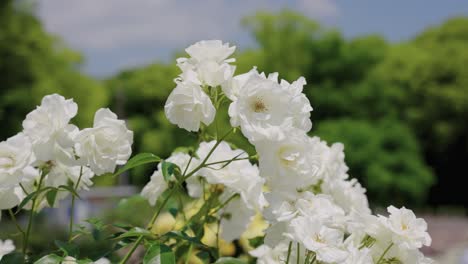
348,194
187,106
326,242
398,254
268,255
236,218
157,185
334,167
407,230
16,157
233,87
275,233
49,129
321,207
69,260
209,59
291,165
102,261
107,144
6,247
356,255
10,197
264,108
239,176
61,174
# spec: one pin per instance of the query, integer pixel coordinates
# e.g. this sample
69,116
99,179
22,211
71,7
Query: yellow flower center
259,106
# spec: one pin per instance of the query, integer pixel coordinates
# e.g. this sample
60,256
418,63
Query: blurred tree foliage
400,108
34,63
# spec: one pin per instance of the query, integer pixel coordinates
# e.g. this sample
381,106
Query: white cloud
124,28
319,8
107,24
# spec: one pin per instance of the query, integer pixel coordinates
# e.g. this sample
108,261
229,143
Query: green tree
385,156
35,63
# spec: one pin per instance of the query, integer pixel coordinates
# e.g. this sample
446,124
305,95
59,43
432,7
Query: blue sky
118,34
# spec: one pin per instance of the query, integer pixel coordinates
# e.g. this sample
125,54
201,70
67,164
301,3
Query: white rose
6,247
209,59
47,127
61,174
16,157
407,230
10,197
237,217
264,109
326,242
157,185
290,165
187,106
107,144
276,255
240,176
348,194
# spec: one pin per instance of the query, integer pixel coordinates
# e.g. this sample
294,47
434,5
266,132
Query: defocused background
389,79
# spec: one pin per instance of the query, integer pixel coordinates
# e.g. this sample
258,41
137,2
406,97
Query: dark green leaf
256,241
31,196
13,258
68,248
167,256
204,256
96,223
122,226
173,211
136,232
159,254
70,189
50,196
168,170
138,160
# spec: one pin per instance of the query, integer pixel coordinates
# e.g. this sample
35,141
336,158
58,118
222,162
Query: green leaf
204,256
256,241
50,196
159,254
68,248
70,189
96,223
49,259
136,232
173,211
13,258
168,169
122,226
31,196
229,261
138,160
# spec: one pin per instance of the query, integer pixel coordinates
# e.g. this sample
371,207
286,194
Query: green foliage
385,156
35,63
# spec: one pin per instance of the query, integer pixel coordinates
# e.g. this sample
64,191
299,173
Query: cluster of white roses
51,152
301,186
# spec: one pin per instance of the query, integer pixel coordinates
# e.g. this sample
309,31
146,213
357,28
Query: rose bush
298,186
